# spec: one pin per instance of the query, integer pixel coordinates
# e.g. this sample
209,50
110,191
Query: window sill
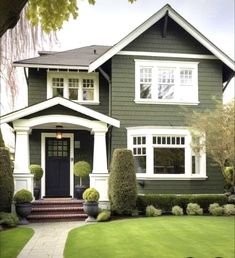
95,103
169,177
165,102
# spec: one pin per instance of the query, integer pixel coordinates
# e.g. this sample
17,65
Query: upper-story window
166,82
77,86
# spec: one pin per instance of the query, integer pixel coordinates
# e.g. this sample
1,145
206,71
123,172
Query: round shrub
194,209
215,209
103,216
177,210
229,209
37,171
228,174
81,169
231,199
23,196
6,180
91,195
8,219
151,211
122,182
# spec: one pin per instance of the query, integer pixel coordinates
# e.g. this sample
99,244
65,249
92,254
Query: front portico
58,156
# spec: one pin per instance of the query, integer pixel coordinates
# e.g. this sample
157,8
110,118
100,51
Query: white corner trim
43,160
59,101
163,54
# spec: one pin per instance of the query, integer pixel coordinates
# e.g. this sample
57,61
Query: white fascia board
44,66
59,101
126,40
202,39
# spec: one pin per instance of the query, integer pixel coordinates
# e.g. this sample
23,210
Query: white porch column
23,179
99,176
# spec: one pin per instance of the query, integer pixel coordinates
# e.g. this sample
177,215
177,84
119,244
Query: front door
57,167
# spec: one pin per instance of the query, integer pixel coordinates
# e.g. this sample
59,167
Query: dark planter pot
79,190
37,192
23,210
91,209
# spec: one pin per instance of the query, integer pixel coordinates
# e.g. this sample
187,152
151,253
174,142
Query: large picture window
81,87
166,82
165,153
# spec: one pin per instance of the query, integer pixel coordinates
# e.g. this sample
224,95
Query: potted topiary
23,205
37,172
81,169
90,206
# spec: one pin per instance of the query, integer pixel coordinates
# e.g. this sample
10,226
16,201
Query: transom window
80,86
166,82
165,153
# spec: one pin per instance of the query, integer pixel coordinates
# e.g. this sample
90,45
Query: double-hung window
163,82
77,86
165,153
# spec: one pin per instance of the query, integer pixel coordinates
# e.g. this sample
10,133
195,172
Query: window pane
145,91
88,94
140,164
168,161
58,82
73,94
145,82
58,92
186,77
166,81
73,83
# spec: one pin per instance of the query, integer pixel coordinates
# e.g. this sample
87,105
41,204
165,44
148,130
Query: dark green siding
132,115
37,90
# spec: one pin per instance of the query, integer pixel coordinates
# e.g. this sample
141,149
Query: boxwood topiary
23,196
91,195
37,171
122,182
81,169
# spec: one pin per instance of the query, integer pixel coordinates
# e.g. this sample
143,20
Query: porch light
58,132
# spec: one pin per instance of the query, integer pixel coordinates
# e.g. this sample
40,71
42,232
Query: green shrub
6,180
103,216
194,209
91,195
151,211
81,169
23,196
165,202
8,219
37,171
215,209
122,182
177,210
228,175
229,209
231,199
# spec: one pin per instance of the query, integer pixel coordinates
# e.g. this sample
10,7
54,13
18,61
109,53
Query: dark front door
57,167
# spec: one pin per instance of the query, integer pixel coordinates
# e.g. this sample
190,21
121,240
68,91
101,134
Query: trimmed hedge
165,202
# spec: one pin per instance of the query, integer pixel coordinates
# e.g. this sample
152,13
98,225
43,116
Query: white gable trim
59,101
151,21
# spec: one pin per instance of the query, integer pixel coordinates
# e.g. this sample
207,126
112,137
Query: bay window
166,82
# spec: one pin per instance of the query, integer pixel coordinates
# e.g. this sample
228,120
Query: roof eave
51,66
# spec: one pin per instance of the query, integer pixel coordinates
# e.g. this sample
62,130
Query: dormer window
165,82
77,86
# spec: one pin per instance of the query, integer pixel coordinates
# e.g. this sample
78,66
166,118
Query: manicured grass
13,240
162,237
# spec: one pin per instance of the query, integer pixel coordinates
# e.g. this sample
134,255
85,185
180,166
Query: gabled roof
79,58
58,101
151,21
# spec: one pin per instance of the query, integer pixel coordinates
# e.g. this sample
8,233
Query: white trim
170,177
152,20
163,54
59,101
164,102
43,160
45,66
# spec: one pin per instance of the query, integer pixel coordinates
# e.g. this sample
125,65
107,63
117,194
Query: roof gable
59,101
150,22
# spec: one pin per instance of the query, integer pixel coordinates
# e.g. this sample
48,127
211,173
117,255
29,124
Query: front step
57,210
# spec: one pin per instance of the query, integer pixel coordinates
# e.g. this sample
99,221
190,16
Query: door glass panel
57,148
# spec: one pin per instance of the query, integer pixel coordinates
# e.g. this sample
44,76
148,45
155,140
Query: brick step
58,206
55,217
58,202
53,209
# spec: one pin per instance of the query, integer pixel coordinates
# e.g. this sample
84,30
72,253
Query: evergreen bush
23,196
177,210
91,195
194,209
215,209
229,209
6,178
103,216
8,219
151,211
122,182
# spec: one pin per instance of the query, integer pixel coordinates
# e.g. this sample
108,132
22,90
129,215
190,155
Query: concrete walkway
48,240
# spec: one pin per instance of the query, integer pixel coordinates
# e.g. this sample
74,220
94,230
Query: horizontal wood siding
37,90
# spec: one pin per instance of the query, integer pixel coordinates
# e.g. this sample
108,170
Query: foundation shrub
215,209
151,211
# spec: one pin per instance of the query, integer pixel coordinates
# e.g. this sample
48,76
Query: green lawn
13,240
166,236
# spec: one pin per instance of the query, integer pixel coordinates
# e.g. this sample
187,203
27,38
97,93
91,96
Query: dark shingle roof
76,57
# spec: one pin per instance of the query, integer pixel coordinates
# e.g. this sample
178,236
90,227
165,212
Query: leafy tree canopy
52,14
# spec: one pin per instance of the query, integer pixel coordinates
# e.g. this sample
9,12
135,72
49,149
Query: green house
84,103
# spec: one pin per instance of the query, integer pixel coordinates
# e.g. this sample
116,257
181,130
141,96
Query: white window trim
155,64
149,132
73,75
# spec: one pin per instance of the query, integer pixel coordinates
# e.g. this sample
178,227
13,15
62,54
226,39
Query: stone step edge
56,216
47,202
57,209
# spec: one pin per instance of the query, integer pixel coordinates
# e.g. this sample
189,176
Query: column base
100,183
23,181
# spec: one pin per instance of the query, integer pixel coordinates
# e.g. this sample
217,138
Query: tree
214,132
122,182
